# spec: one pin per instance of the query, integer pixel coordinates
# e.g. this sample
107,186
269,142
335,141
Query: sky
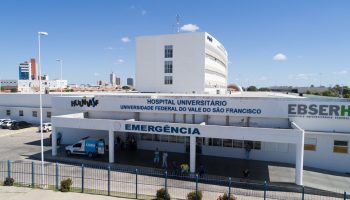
269,42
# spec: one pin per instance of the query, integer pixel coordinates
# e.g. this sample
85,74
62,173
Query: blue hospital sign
161,129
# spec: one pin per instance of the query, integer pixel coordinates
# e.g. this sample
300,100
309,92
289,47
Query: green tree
125,87
252,88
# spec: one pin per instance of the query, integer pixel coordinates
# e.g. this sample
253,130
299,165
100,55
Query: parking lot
21,144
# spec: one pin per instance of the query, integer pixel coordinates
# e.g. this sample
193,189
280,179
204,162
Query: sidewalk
20,193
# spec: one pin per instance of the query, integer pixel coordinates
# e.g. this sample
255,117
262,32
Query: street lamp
41,110
61,62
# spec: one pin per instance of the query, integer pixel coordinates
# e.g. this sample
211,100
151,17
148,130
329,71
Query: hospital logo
84,102
319,111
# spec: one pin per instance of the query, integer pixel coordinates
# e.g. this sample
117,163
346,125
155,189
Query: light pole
41,111
61,62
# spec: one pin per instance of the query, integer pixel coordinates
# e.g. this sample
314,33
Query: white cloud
343,72
302,76
96,74
280,57
189,28
119,61
143,12
125,39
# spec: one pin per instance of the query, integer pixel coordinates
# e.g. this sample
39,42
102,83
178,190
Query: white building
181,63
33,85
277,127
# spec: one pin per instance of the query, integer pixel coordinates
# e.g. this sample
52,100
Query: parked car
2,120
7,124
20,125
46,127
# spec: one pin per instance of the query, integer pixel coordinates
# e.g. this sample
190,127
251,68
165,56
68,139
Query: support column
192,154
54,141
299,163
111,146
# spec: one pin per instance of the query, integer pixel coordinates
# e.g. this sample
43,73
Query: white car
46,127
3,120
7,124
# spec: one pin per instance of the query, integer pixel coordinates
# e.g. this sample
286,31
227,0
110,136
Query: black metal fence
143,184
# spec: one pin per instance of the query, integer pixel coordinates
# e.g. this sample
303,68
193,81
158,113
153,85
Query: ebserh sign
322,110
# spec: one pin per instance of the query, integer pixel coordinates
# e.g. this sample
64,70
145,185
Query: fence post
136,172
344,195
166,183
265,188
8,168
109,180
229,187
303,193
33,175
196,186
57,176
82,178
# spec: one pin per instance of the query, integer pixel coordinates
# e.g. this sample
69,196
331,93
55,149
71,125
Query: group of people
156,158
182,169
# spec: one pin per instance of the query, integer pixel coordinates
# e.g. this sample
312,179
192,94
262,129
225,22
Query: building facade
24,71
181,63
130,82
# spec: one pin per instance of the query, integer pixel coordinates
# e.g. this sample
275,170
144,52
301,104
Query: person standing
165,160
156,156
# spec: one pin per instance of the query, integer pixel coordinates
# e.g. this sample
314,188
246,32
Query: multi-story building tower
24,70
112,79
130,82
117,81
182,63
33,69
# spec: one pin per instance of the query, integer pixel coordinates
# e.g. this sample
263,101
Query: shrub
162,194
192,195
9,181
66,184
225,197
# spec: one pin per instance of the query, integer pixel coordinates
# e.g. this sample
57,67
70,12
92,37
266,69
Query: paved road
20,193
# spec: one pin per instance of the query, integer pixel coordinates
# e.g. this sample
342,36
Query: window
181,139
168,67
237,144
21,113
227,142
340,146
164,138
8,112
168,51
257,145
78,145
310,144
168,80
35,114
172,138
156,137
215,142
145,136
48,114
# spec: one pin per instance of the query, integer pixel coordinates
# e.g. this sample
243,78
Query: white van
46,127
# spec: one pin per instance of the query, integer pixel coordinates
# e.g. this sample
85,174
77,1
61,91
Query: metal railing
143,184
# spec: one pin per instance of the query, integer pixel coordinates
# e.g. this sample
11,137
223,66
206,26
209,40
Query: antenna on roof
178,23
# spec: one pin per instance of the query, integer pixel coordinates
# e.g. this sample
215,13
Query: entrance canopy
295,135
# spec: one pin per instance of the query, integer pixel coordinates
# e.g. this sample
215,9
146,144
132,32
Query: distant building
24,71
33,85
117,81
112,79
130,82
33,69
100,82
